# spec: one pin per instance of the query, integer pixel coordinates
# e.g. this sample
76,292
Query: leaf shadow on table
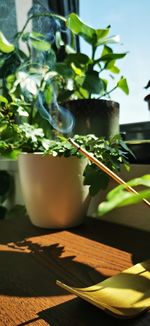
132,240
26,268
82,313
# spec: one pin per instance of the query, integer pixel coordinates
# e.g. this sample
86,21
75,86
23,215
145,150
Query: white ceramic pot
53,189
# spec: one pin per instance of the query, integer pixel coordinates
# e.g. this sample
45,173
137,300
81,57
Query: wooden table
32,259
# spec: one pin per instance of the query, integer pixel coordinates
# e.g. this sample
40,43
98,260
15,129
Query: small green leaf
58,40
112,56
77,70
89,34
110,65
79,28
119,196
41,45
5,46
22,112
109,40
63,69
48,94
3,99
92,83
122,84
106,50
37,41
78,59
95,178
101,33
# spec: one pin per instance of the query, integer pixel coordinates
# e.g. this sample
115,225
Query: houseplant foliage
88,74
16,138
33,84
119,196
26,74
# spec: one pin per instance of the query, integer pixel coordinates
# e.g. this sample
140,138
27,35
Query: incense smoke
59,117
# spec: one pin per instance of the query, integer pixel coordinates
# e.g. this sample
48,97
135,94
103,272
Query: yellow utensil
125,295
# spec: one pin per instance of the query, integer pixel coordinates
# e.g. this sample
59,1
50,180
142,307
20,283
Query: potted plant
89,81
81,83
57,182
29,115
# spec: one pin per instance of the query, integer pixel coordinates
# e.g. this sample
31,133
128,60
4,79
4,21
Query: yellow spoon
125,295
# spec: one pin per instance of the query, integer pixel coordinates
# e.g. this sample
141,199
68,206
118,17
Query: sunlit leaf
58,40
109,40
77,70
79,28
3,99
122,84
37,40
22,112
5,46
89,34
120,196
106,50
112,56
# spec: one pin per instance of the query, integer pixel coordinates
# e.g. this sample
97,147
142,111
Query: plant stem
93,52
78,90
107,93
46,14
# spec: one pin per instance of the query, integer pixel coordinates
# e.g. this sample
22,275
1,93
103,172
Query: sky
131,20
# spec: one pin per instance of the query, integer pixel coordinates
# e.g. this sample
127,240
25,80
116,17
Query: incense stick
104,168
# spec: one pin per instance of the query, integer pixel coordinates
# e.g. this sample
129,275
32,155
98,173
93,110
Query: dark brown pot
93,116
141,151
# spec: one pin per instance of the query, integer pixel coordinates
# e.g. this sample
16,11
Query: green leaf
41,45
58,40
48,94
37,41
112,56
119,196
122,199
95,178
92,83
69,49
109,40
5,46
22,112
79,28
110,65
88,33
63,69
82,93
101,33
3,99
78,59
77,70
106,50
122,84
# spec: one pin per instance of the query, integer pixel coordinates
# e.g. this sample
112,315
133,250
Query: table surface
32,259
